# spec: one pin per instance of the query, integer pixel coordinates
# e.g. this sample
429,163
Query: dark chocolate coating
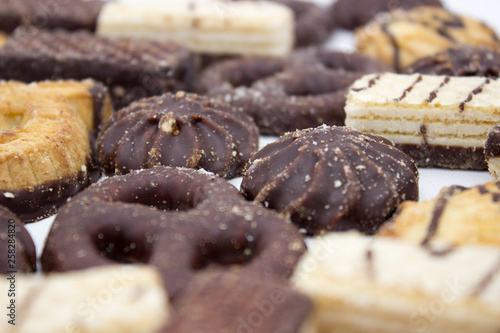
462,61
492,145
228,302
182,221
306,89
350,14
15,238
132,69
50,14
183,130
331,178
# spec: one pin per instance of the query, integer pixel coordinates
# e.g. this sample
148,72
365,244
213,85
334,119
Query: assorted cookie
457,216
331,179
132,69
403,37
306,89
439,121
184,130
351,14
46,154
361,284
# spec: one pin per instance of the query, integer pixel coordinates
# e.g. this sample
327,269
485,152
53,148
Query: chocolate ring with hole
184,130
17,246
306,89
180,220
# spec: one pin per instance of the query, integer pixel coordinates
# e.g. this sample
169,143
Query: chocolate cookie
331,178
350,14
132,69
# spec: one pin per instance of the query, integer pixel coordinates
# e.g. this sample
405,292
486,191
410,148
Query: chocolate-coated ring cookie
179,220
462,61
18,250
306,89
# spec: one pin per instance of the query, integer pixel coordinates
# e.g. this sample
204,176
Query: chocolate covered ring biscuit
180,220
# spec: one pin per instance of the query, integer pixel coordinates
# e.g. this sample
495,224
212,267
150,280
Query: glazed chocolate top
13,236
132,69
305,89
184,130
463,61
182,221
331,178
492,146
50,14
350,14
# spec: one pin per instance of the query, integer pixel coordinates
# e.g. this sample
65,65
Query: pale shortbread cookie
360,284
457,216
212,27
401,37
439,121
118,298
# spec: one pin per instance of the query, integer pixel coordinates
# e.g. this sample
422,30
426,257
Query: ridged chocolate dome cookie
331,178
403,37
184,130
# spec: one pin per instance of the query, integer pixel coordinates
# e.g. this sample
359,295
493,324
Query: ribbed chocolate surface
178,130
50,14
132,69
331,178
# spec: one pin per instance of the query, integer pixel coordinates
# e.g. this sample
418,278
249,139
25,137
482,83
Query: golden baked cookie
3,38
457,216
45,147
402,37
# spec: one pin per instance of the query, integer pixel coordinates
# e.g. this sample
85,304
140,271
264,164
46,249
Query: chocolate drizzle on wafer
474,92
488,279
434,93
371,83
409,89
370,265
438,211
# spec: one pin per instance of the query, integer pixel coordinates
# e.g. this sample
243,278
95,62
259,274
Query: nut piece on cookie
439,121
402,37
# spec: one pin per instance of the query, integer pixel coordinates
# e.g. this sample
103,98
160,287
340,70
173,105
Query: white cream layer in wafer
425,109
362,284
118,298
209,27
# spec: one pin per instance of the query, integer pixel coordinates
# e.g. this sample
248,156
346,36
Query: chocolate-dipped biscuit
331,178
18,250
50,14
132,69
182,221
183,130
350,14
461,61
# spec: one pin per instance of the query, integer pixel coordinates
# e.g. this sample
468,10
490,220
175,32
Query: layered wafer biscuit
116,298
457,216
132,69
439,121
492,152
50,14
212,27
360,284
